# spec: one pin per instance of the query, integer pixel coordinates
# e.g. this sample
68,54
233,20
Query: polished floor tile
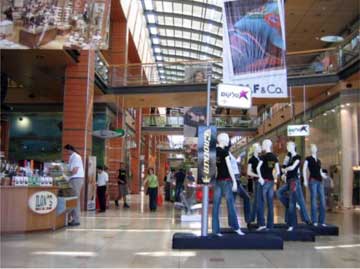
139,238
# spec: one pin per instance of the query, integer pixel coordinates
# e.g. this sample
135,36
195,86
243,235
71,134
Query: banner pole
205,189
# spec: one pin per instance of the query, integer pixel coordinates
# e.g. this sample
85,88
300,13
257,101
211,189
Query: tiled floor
139,238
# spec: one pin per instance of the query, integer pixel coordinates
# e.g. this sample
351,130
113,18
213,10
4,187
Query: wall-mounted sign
42,202
298,130
233,96
206,153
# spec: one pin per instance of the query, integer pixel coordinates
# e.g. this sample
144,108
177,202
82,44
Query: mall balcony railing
322,62
221,121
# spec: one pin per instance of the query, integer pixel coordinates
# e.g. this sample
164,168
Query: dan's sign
42,202
206,153
298,130
234,96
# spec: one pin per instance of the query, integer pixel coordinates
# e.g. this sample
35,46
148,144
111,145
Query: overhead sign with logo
233,96
42,202
298,130
254,46
206,153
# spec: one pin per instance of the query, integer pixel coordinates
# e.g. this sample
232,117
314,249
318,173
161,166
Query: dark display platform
298,234
318,230
227,241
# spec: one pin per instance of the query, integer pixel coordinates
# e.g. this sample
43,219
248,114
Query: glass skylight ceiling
186,30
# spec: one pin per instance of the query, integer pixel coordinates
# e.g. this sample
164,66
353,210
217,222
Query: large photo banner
54,24
254,46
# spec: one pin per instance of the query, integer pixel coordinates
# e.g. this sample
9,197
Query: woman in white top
76,180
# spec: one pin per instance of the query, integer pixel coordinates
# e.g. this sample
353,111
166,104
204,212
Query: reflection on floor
136,237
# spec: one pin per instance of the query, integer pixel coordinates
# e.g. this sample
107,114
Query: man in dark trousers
123,187
180,178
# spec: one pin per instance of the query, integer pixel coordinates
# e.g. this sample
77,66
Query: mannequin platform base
190,218
298,234
318,230
227,241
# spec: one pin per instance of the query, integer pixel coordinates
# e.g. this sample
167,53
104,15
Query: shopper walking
168,183
102,180
180,178
76,180
153,184
123,187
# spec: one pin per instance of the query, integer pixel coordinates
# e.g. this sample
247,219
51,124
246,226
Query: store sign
298,130
233,96
42,202
207,153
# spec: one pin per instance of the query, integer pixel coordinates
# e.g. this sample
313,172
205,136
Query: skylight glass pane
178,33
186,35
219,43
187,23
165,51
171,43
155,40
195,36
163,42
186,54
187,10
196,24
193,55
186,45
178,8
194,46
177,21
151,18
169,32
178,43
148,4
159,6
153,30
169,20
197,11
161,20
162,31
157,49
168,7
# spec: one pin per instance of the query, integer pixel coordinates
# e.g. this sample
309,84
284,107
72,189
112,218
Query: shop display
35,23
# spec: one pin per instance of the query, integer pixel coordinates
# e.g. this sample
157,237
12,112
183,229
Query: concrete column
135,155
349,154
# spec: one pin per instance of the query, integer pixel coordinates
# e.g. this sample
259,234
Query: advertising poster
193,118
54,24
254,46
206,154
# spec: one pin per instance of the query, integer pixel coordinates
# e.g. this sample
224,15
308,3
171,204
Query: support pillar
78,107
135,155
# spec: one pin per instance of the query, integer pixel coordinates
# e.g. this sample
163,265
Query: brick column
78,107
5,137
147,152
135,155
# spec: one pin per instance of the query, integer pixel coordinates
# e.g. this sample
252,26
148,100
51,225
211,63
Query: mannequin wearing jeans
225,184
300,203
251,172
294,185
267,164
316,185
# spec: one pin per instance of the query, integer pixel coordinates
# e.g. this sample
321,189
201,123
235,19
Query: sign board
206,153
233,96
298,130
42,202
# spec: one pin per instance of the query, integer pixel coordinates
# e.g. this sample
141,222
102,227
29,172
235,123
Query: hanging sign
233,96
254,46
42,202
206,153
298,130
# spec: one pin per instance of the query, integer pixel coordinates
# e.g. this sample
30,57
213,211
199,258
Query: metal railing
222,121
301,63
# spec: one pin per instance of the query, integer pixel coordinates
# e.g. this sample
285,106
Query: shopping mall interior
121,81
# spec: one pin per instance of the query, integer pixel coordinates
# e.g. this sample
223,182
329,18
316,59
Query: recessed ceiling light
348,104
325,114
333,110
332,38
342,106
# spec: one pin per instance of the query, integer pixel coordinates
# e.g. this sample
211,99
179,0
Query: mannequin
293,185
316,185
251,172
266,179
225,184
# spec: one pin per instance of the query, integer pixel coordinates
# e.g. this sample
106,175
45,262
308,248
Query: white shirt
234,164
102,179
75,161
169,177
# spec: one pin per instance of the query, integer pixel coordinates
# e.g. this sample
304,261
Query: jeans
256,194
76,184
101,192
223,188
296,195
317,188
153,193
167,191
246,198
178,189
266,194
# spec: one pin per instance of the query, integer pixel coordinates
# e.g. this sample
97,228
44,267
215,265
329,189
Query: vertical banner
206,154
255,47
91,190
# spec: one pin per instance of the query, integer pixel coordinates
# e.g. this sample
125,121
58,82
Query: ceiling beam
195,3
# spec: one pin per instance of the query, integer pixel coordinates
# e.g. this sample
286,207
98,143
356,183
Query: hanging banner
206,154
254,46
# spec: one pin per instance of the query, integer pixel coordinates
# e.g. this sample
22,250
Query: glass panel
162,31
178,44
171,43
178,33
168,7
187,10
151,18
187,23
186,35
177,21
197,12
194,46
169,20
186,45
159,6
169,32
196,24
178,8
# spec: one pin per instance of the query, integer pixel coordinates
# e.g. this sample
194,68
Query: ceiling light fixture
332,39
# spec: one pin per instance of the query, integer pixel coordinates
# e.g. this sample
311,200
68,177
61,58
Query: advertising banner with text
206,154
255,47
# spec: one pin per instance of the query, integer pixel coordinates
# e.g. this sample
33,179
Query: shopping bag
160,200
